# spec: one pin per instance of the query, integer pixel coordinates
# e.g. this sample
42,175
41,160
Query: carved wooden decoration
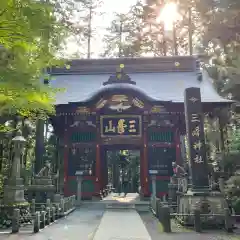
157,109
80,110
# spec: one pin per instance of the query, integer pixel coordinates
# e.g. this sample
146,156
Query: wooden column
65,159
98,168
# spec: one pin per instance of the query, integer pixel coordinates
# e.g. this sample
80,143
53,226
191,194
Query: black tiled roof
162,85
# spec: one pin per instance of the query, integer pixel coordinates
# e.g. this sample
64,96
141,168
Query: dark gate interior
104,161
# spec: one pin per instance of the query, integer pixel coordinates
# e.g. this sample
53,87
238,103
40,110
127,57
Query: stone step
142,207
120,206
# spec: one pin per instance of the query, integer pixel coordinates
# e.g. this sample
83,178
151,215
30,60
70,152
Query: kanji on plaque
110,127
132,127
120,125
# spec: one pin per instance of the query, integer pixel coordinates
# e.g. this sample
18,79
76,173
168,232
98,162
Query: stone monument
42,186
14,190
198,194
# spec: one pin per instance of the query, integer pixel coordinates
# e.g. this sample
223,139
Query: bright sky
109,7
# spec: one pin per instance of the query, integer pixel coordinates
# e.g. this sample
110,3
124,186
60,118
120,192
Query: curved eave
118,88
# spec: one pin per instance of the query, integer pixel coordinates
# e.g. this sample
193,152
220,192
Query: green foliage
30,37
220,40
233,186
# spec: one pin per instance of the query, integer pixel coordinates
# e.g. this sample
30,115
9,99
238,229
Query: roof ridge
132,65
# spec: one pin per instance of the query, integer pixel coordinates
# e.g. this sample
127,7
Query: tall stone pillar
195,137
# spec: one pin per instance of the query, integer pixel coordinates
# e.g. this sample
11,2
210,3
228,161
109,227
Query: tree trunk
39,147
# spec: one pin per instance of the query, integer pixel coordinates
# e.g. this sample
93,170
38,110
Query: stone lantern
14,190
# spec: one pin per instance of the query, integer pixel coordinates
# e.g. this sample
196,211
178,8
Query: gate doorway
121,168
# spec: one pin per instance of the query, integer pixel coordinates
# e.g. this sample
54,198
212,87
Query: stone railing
42,214
163,212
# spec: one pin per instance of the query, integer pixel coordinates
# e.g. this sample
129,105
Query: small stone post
197,220
33,207
42,219
53,214
153,186
166,219
57,211
48,203
48,217
68,203
73,200
228,222
62,207
158,204
15,221
36,222
79,189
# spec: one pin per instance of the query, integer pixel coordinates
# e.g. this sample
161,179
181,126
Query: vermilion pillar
98,168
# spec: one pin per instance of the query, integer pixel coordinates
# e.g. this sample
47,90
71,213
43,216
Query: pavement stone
121,225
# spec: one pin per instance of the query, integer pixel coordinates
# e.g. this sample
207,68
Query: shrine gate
138,106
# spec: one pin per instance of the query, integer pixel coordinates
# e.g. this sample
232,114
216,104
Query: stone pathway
93,222
121,224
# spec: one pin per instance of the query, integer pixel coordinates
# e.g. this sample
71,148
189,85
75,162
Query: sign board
160,160
81,160
121,125
79,173
195,138
153,172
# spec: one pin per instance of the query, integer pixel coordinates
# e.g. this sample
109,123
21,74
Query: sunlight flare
168,15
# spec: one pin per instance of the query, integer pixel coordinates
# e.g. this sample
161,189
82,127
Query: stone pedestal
14,192
207,202
42,188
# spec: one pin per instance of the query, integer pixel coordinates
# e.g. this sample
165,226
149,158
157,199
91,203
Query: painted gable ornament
119,102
